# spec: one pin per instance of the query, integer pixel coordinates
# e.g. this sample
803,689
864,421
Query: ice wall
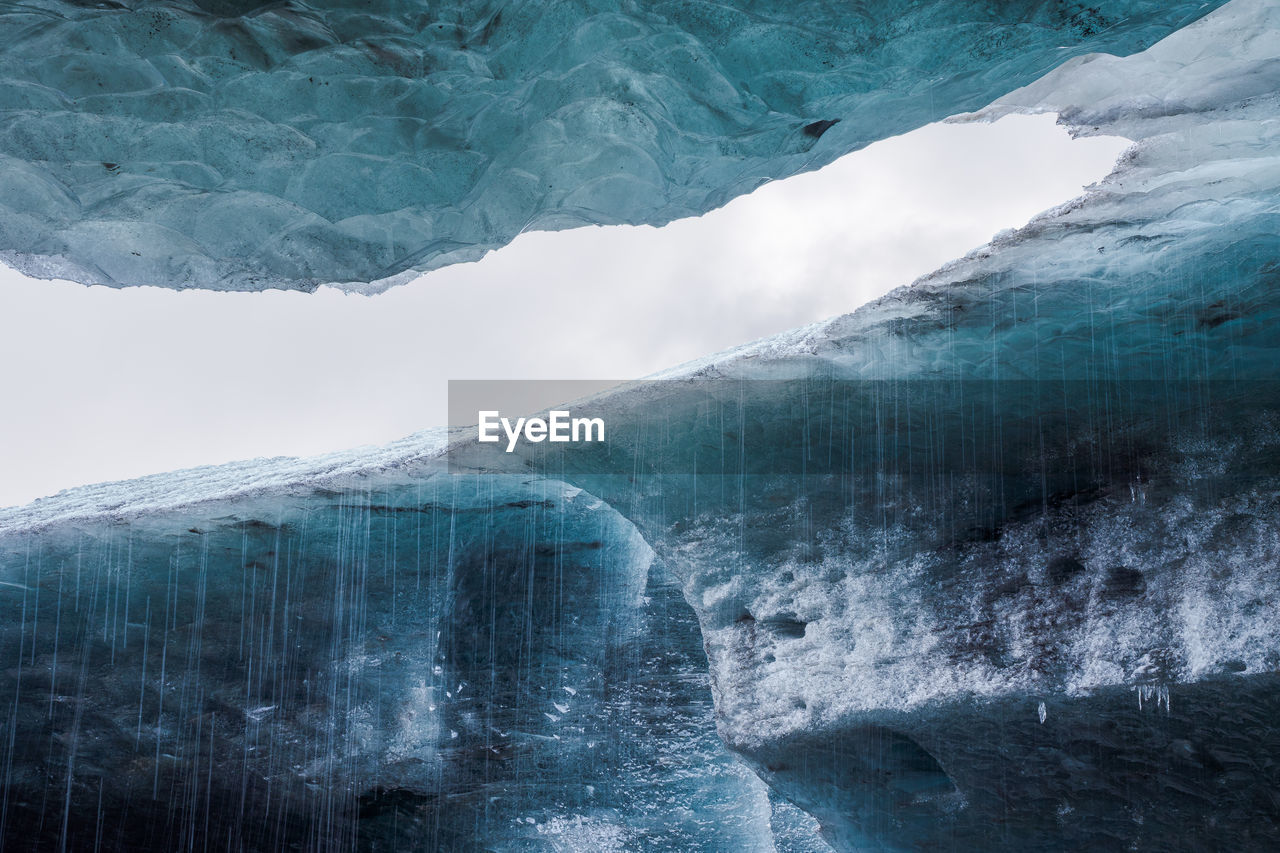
435,663
1081,651
240,145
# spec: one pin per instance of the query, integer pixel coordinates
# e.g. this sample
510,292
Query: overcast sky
104,384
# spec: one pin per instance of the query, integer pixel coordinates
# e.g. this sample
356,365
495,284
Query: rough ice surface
1033,607
425,665
242,145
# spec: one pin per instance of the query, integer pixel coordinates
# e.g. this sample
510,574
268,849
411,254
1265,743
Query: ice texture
433,664
240,145
1030,604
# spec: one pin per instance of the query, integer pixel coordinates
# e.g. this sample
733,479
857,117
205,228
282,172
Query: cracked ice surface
239,145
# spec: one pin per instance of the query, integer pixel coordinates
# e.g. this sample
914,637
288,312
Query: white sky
104,384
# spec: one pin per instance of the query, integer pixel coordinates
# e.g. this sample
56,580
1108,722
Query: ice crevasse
987,564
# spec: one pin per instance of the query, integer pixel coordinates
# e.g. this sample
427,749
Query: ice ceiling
241,146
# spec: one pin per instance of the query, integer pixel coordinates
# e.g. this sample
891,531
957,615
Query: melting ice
1034,609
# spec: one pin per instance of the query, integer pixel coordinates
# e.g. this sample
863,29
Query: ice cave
991,563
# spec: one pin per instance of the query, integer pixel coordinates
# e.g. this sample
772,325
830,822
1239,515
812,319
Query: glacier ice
243,145
1027,601
422,665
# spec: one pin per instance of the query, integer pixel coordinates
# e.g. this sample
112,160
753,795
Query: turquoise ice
243,146
1057,634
